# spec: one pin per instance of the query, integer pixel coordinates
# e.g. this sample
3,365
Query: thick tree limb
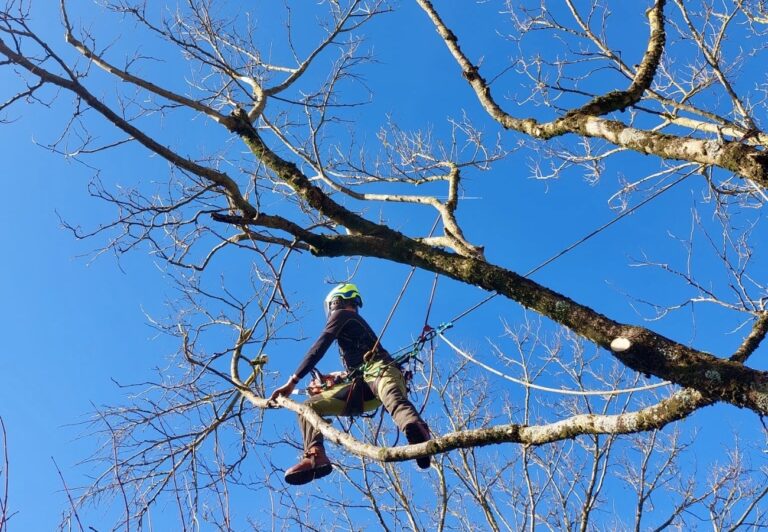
620,100
745,161
269,221
607,103
676,407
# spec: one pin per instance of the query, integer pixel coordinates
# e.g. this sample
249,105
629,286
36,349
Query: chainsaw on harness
321,382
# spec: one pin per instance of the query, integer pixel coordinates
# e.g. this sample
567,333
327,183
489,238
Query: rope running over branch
545,388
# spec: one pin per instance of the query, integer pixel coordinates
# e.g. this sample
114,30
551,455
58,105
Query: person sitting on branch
372,378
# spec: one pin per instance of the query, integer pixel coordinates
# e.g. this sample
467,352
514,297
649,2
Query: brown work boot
315,464
418,433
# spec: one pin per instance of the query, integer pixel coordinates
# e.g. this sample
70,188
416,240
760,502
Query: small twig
116,466
4,504
69,495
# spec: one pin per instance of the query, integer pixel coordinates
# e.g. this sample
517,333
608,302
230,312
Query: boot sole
304,477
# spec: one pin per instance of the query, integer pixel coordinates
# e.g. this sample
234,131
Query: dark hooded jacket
355,338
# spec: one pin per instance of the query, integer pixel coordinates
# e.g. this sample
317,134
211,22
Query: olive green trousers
387,387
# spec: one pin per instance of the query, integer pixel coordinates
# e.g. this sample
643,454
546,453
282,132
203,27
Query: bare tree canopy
253,150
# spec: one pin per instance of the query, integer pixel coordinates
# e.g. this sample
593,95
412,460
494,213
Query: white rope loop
562,391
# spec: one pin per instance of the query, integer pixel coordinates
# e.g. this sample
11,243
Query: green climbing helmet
347,292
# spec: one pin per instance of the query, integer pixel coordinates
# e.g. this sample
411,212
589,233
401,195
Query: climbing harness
355,376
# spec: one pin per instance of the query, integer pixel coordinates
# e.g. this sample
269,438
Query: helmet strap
338,302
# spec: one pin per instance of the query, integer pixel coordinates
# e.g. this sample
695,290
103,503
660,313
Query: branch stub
620,344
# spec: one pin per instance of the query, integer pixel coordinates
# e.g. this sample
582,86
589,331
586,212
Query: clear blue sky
73,324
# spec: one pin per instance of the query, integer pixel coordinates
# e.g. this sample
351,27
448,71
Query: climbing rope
412,369
392,310
402,293
563,391
580,241
428,333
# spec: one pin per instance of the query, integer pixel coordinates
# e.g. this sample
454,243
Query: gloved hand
284,390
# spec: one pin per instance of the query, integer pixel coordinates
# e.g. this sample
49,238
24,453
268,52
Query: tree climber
372,379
